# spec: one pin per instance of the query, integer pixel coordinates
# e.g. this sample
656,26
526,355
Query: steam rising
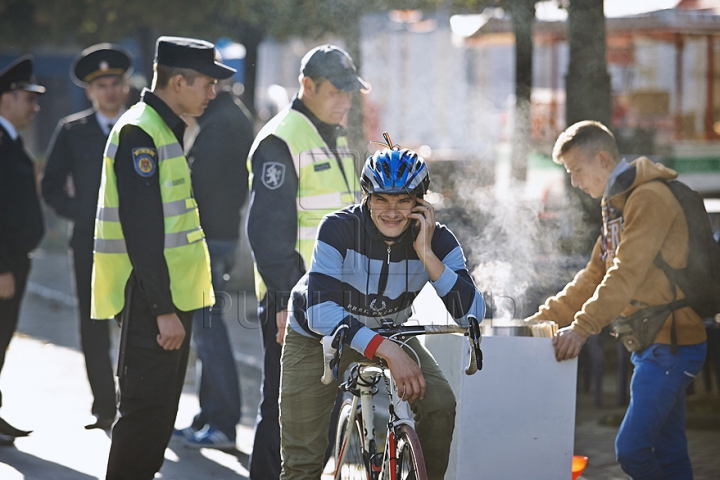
517,251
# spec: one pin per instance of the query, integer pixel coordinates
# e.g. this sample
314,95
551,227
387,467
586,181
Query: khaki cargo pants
306,404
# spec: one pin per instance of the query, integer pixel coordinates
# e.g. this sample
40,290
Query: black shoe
103,423
7,429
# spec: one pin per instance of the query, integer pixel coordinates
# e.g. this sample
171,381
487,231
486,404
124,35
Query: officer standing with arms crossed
301,170
21,221
76,151
151,261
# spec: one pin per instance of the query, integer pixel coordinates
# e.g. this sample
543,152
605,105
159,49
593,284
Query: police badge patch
273,175
144,160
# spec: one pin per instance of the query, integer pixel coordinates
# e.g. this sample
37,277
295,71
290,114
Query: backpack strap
671,275
675,304
660,263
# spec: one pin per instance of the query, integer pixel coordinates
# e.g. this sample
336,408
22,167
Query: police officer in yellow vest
301,169
150,261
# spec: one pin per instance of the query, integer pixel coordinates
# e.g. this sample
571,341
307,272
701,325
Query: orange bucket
578,465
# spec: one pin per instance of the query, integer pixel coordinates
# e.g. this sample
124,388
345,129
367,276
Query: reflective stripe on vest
324,184
185,250
178,207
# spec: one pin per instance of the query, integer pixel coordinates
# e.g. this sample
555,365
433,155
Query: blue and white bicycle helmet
395,170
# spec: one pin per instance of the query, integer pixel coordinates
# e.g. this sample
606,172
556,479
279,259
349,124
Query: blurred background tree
587,90
27,24
522,14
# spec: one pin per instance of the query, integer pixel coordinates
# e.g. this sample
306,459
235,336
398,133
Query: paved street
46,390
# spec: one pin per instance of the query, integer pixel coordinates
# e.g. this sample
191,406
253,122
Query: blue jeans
651,442
219,390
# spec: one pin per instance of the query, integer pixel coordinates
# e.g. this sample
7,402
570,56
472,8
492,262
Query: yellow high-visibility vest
185,250
322,186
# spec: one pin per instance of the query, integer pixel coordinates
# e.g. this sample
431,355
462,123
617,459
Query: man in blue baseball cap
302,168
151,266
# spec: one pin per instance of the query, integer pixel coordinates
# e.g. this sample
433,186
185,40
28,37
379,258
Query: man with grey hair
642,221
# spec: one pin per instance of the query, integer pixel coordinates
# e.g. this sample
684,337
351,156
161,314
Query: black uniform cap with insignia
198,55
98,61
19,76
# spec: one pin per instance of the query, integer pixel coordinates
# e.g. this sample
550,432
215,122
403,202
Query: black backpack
700,279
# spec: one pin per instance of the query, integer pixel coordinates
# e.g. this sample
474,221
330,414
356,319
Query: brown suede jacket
641,218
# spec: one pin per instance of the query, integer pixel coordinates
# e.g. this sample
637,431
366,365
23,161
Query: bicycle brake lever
474,337
332,353
335,362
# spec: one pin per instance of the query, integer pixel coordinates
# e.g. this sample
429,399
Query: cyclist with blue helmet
369,264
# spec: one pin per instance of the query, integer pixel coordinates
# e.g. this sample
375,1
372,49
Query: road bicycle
357,455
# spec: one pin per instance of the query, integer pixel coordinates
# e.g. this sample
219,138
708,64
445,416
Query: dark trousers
150,390
265,459
10,308
94,337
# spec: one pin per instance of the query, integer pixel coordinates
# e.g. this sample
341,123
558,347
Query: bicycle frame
363,385
400,414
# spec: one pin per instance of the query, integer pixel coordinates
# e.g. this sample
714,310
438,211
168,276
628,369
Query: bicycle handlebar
333,344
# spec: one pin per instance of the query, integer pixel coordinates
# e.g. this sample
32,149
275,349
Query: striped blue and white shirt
357,278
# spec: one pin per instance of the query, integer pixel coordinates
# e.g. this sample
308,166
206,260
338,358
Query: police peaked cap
198,55
19,76
100,60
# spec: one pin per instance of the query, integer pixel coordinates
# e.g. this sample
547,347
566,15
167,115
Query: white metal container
515,418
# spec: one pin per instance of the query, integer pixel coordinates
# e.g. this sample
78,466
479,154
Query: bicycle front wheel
410,459
350,457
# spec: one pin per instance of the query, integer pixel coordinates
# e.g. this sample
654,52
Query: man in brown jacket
641,217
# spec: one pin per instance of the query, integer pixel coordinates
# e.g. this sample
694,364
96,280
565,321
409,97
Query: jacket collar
171,119
9,128
328,132
641,171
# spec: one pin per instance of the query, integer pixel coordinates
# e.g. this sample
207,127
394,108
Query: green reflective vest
185,250
323,186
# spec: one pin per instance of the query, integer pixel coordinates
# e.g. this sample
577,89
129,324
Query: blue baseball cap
336,65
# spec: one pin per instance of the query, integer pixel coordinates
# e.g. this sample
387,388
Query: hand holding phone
423,223
423,215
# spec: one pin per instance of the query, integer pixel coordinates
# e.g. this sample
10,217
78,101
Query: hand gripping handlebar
333,344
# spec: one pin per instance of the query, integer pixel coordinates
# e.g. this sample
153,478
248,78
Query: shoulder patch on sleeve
273,175
145,161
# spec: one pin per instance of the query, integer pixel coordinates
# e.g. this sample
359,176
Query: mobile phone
415,228
415,225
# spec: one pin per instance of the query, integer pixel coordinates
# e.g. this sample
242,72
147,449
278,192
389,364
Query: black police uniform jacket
21,221
76,149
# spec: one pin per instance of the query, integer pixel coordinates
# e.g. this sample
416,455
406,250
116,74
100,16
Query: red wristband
373,346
